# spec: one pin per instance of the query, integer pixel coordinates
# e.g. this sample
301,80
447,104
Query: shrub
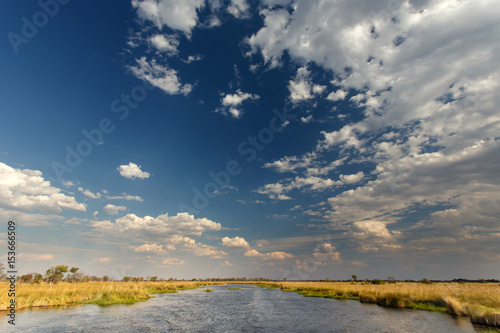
378,281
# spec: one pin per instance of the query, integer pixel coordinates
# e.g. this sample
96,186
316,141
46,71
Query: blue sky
347,137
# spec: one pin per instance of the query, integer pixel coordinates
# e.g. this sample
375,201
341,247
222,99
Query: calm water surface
250,309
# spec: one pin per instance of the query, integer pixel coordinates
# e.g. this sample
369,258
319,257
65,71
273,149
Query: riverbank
479,301
101,293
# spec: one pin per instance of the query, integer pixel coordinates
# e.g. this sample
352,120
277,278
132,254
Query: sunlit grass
103,293
479,301
207,290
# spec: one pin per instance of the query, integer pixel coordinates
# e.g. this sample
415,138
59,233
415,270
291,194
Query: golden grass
479,301
42,295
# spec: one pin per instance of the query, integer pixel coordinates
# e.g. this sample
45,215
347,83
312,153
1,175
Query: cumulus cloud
113,210
238,8
177,14
311,183
165,43
310,164
277,255
132,171
236,242
231,103
302,87
151,248
160,76
337,95
26,190
429,112
157,227
90,194
198,249
369,229
192,58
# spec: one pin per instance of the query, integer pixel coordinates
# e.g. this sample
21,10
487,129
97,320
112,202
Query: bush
378,281
425,281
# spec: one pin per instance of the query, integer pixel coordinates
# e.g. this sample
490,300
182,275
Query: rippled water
250,309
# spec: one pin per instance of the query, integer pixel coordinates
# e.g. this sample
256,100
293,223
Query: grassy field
479,301
103,293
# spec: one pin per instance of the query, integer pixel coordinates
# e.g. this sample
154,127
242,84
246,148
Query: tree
354,277
425,281
26,278
154,278
73,271
55,274
105,278
37,278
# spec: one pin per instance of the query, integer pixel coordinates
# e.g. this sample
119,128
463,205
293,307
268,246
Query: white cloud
430,115
176,14
198,249
238,8
157,227
277,255
226,263
236,242
193,58
150,248
309,163
337,95
369,229
307,119
132,171
173,262
231,103
165,43
124,196
160,76
313,183
351,179
302,87
26,190
113,210
90,194
29,219
68,183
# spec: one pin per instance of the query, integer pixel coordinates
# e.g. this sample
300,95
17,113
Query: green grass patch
266,285
207,290
425,307
325,294
115,298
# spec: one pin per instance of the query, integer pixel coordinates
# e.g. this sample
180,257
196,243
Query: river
250,309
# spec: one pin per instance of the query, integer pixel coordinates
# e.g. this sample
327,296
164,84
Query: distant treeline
56,274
